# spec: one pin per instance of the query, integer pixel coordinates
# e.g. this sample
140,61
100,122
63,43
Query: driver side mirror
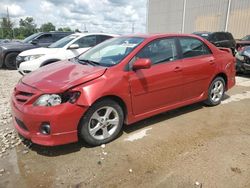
73,46
142,63
34,41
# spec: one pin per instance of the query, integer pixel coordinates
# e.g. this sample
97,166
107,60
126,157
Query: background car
122,80
219,39
10,50
66,48
243,60
245,41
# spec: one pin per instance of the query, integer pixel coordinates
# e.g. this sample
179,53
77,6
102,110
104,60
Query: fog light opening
45,128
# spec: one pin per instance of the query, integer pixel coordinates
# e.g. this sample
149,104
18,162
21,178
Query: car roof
87,34
160,35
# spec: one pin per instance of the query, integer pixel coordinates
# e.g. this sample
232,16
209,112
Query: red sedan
120,81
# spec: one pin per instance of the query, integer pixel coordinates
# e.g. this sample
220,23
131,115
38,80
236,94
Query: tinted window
221,36
85,42
192,47
101,38
62,42
246,37
159,51
31,37
58,36
46,38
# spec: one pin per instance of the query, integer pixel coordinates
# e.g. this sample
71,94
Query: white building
187,16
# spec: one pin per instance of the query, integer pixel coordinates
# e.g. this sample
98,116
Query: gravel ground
191,147
8,137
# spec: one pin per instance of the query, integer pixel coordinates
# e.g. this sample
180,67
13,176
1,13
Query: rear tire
10,61
216,92
101,123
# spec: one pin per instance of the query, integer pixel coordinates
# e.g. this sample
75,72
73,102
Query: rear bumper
63,120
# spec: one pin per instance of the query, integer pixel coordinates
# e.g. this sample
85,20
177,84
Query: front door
160,85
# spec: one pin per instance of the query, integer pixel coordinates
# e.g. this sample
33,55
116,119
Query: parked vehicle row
120,81
220,39
240,48
68,47
10,50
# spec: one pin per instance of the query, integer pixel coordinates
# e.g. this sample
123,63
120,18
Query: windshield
30,38
246,37
112,51
62,42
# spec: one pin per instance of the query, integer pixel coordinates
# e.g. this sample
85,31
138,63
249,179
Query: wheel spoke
113,121
95,129
108,112
105,132
96,116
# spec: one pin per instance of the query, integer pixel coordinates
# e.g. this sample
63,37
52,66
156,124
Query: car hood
36,51
16,45
60,76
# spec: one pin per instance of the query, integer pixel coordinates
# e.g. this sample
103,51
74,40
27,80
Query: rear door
160,85
198,65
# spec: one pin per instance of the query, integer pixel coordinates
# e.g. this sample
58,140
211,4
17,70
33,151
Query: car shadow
162,117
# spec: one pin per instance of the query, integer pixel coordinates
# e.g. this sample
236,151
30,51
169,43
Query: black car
10,50
219,39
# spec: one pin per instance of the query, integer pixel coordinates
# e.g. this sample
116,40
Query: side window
86,42
46,38
101,38
161,50
57,37
221,36
192,47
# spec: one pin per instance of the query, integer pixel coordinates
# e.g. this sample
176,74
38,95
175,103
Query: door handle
211,62
177,69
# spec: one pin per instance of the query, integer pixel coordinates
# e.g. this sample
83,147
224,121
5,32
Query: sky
112,16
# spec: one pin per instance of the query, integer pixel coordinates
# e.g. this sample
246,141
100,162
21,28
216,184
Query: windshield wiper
94,63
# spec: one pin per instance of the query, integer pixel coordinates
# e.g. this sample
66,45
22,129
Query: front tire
216,92
10,61
101,123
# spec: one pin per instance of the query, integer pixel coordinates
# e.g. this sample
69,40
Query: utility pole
183,16
228,13
133,27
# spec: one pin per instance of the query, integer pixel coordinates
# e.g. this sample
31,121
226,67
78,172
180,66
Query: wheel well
112,97
118,100
223,75
8,54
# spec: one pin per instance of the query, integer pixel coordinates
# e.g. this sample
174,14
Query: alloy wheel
103,123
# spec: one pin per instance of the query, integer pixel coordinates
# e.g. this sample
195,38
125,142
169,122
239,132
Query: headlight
56,99
48,100
32,57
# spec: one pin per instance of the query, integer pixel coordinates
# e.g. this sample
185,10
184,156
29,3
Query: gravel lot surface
194,146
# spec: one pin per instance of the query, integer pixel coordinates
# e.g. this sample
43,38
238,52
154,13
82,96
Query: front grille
21,124
22,96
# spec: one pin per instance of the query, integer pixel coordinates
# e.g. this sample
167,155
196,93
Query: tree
6,28
46,27
65,29
26,27
77,31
